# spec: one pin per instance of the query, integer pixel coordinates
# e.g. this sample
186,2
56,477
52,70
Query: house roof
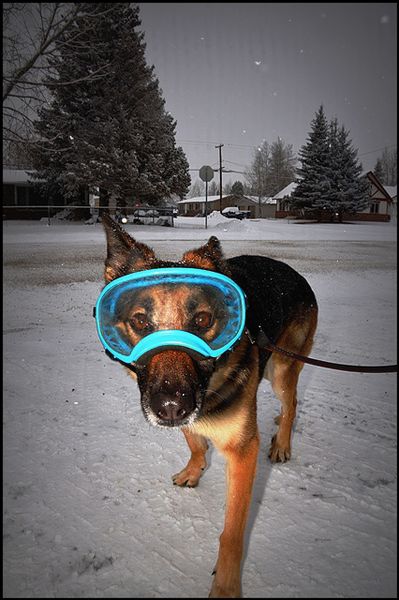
263,200
198,199
14,176
287,191
377,183
392,190
201,199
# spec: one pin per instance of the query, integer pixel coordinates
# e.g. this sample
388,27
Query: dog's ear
209,256
124,253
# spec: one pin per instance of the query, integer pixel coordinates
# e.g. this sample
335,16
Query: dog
215,398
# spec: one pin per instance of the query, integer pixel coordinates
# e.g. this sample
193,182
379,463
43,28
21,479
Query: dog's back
276,293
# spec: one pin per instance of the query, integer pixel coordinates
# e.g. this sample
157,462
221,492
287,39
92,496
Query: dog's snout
171,389
173,408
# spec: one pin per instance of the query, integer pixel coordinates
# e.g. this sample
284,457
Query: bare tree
281,166
30,35
227,188
389,161
197,189
257,175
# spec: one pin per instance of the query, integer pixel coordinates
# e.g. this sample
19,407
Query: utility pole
220,146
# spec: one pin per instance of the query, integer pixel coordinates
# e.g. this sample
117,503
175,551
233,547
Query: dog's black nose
173,409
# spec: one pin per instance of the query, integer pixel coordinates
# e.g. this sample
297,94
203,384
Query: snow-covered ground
89,507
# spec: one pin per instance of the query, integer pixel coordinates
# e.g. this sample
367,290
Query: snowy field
89,507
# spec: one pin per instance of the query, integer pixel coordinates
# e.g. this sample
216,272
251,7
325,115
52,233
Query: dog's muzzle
172,387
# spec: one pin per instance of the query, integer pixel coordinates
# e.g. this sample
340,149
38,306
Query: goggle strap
112,357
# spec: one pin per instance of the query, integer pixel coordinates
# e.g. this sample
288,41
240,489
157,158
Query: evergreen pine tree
313,174
347,191
213,188
114,134
329,203
329,180
237,188
352,186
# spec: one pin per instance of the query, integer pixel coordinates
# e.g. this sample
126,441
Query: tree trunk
112,204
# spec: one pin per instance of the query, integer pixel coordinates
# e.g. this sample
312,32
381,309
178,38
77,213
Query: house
19,194
393,208
266,206
23,200
381,206
382,202
282,200
195,207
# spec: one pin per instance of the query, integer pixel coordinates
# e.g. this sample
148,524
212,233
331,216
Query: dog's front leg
241,467
191,474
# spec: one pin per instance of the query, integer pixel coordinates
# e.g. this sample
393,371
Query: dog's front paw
220,591
188,477
226,585
279,452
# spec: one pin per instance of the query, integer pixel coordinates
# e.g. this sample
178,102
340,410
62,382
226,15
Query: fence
163,216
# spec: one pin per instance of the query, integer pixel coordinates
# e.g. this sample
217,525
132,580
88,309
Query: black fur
276,293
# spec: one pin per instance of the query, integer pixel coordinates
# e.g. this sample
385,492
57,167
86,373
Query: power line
377,150
235,163
223,171
257,146
213,143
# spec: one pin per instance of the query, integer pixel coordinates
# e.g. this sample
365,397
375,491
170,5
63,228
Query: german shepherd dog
216,399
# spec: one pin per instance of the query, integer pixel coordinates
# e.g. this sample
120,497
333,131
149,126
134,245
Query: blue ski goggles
195,310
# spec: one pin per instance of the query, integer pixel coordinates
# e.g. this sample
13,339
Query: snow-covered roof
392,190
199,199
287,191
14,176
263,200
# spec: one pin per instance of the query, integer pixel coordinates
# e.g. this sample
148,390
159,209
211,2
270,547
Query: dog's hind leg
191,474
283,373
284,383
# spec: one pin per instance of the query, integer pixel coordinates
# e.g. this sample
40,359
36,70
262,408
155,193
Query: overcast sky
239,73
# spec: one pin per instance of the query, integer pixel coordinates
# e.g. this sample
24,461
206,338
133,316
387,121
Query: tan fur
283,373
200,263
191,474
233,429
235,434
224,428
240,471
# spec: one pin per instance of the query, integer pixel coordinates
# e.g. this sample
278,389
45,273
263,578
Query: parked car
145,217
149,216
233,212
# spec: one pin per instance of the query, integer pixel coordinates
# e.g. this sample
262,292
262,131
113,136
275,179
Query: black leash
264,343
